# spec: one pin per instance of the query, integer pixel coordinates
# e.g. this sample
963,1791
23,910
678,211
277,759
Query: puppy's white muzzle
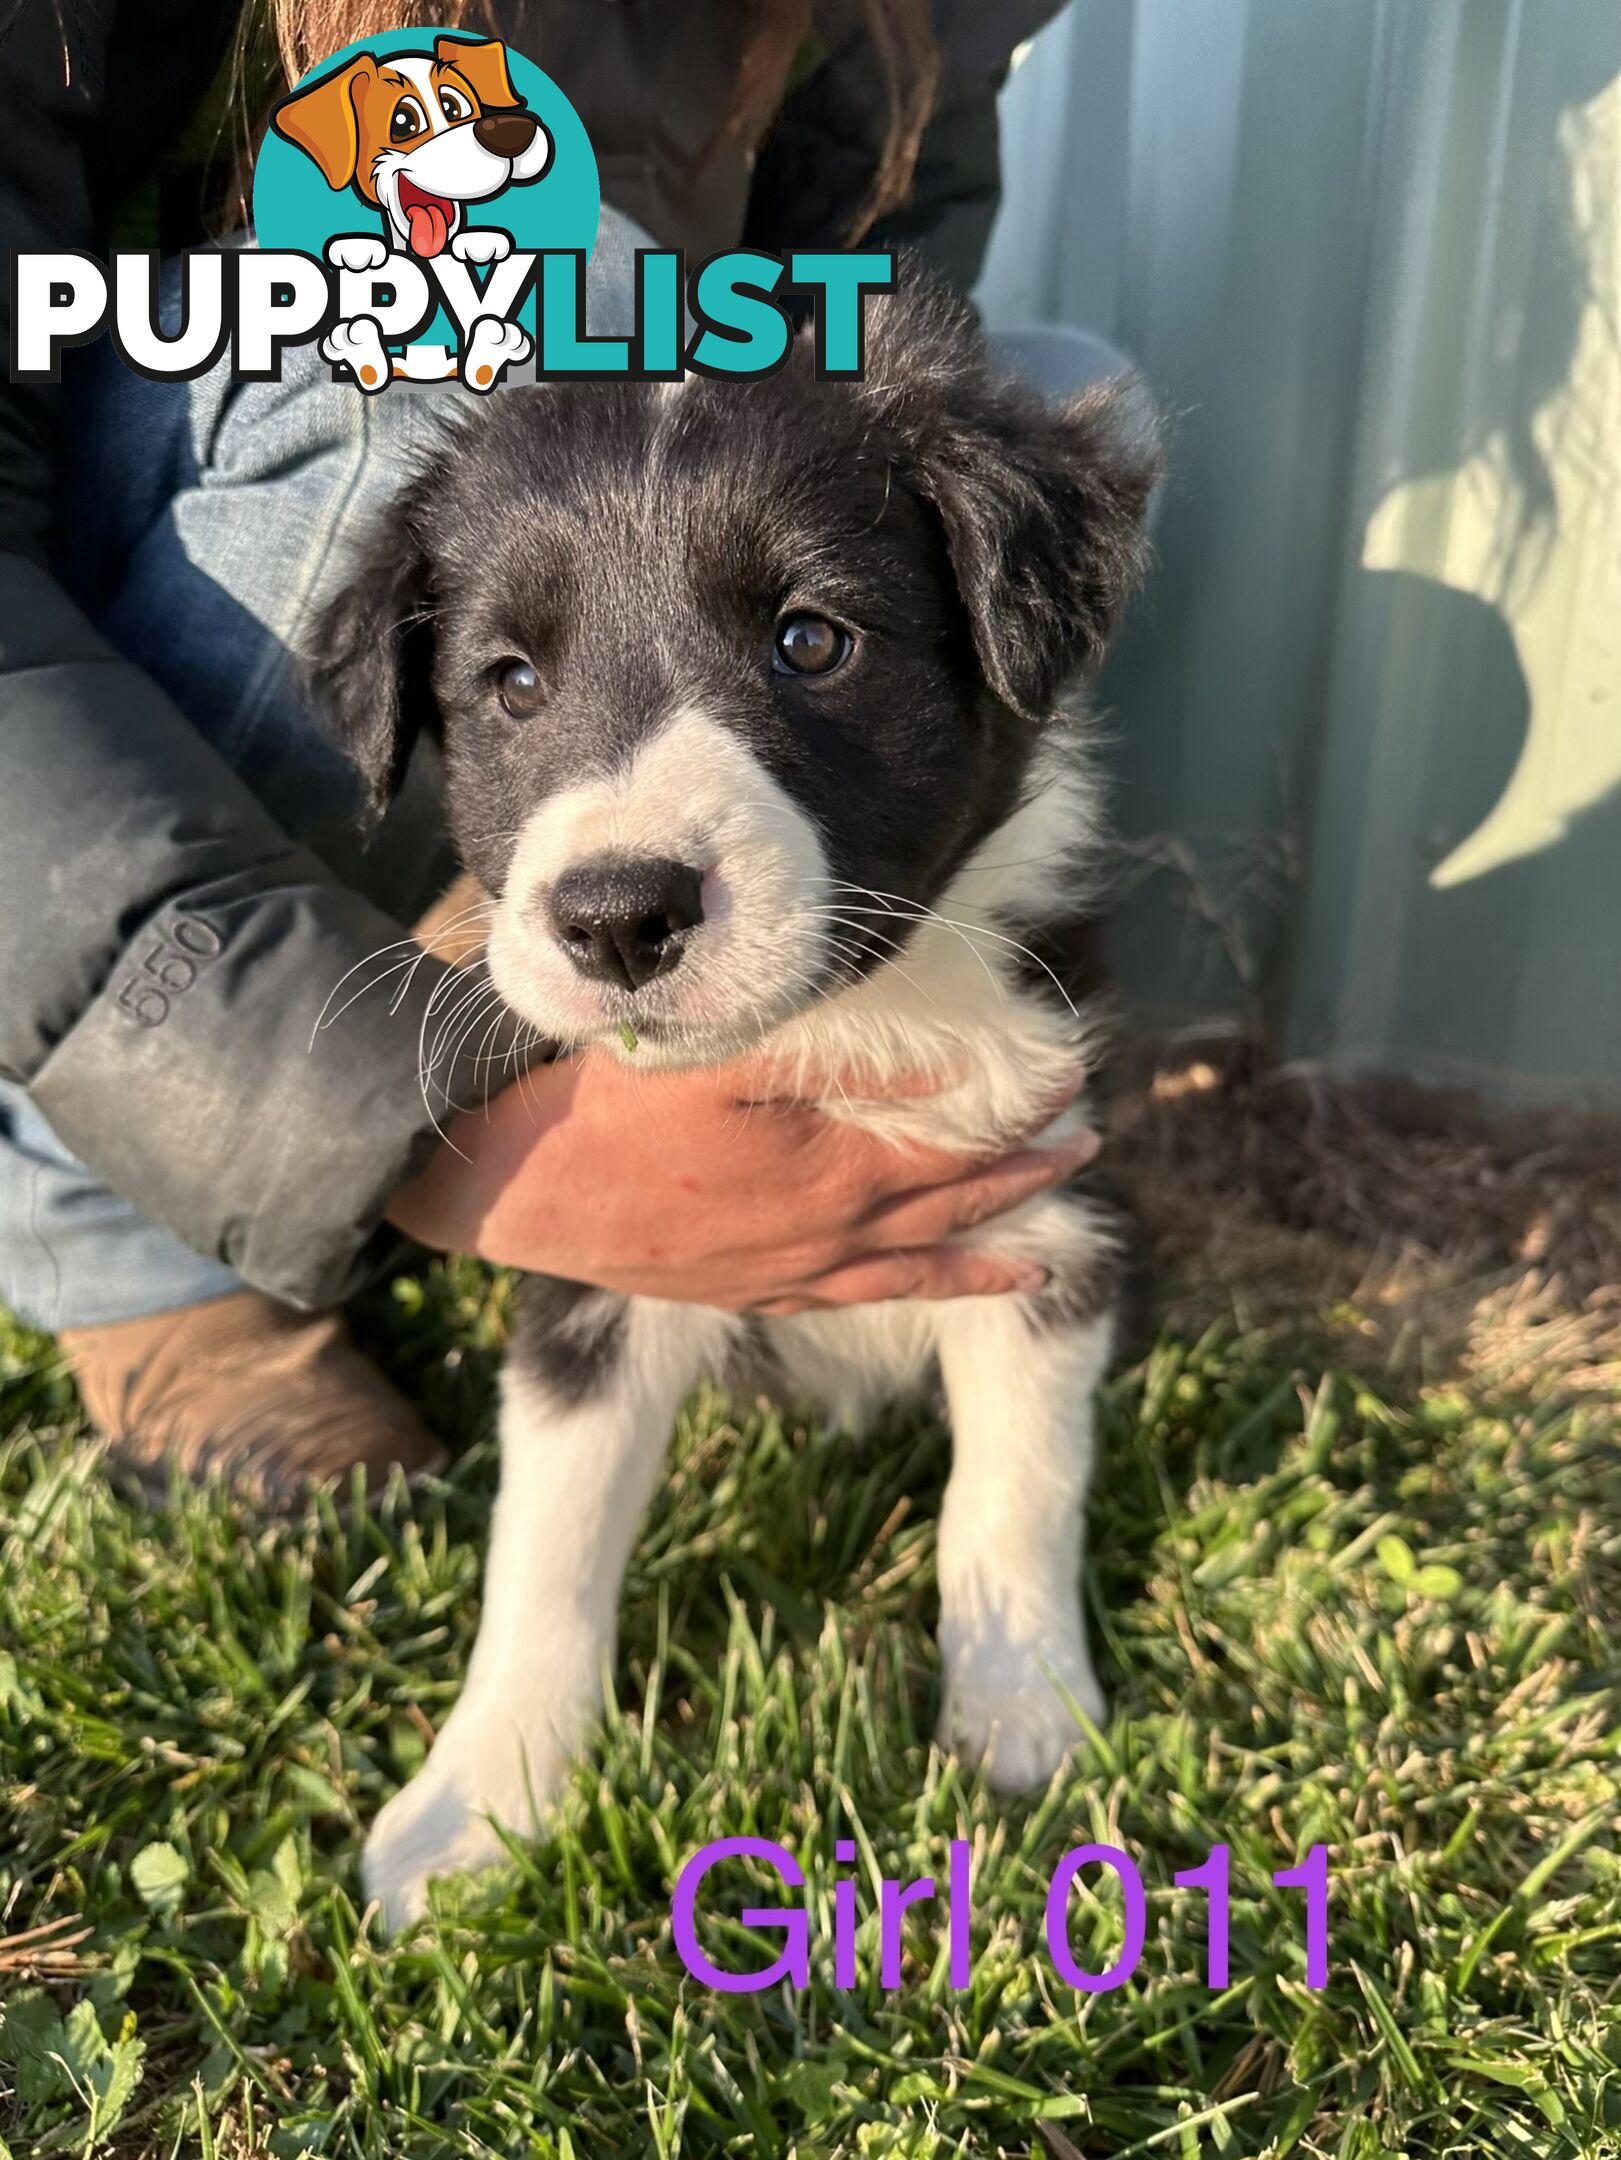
683,894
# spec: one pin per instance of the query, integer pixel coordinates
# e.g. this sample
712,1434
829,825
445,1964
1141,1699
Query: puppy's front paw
1007,1705
358,346
428,1829
491,350
481,244
443,1822
357,251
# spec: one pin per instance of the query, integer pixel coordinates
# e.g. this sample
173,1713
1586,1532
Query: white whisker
894,902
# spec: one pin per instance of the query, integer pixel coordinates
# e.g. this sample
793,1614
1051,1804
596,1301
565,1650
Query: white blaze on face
692,793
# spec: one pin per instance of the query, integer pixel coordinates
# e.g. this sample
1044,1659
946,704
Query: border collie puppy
752,699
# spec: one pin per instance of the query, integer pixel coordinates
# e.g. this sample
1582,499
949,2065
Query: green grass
1385,1620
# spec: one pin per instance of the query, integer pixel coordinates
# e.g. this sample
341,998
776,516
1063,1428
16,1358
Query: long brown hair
900,32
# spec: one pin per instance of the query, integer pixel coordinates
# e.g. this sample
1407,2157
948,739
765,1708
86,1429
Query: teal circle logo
439,147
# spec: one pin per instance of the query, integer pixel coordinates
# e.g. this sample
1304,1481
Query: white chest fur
956,1001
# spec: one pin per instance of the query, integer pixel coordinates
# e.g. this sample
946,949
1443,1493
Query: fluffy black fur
977,541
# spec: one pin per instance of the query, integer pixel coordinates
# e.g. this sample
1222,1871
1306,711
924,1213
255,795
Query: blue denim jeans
210,522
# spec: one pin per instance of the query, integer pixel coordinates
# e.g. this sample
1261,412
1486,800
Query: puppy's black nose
624,919
505,134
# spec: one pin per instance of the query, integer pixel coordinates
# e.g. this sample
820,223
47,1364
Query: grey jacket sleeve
165,950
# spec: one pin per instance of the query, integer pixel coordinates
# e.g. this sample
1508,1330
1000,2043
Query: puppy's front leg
590,1393
1020,1377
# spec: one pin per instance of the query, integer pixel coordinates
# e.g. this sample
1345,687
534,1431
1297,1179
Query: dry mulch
1413,1228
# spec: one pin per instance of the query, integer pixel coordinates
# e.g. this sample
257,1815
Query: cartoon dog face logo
417,136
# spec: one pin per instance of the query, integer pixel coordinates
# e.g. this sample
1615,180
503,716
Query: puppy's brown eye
518,687
810,645
406,120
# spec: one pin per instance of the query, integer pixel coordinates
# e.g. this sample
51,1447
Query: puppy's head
416,135
730,676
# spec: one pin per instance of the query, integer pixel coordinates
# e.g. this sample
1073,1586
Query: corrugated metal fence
1368,723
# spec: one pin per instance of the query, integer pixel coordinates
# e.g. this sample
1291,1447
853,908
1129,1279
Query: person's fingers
761,1080
899,1178
936,1271
853,1183
890,1170
764,1080
929,1216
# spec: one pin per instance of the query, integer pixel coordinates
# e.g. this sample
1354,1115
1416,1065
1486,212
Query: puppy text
733,315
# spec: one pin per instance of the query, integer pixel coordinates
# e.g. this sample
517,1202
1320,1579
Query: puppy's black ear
1043,504
371,668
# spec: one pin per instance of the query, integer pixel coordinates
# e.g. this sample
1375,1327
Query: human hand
709,1188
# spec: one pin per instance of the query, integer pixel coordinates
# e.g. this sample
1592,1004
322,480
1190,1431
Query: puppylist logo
413,167
425,205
